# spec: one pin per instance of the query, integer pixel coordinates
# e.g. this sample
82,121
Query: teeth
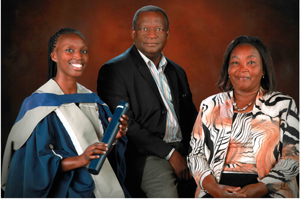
244,77
77,65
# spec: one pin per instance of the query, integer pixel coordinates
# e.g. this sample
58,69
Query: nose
243,67
151,33
77,55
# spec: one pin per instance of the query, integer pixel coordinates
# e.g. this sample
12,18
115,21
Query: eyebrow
234,57
251,56
73,45
246,57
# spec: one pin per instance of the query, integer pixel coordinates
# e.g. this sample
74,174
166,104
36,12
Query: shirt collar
162,63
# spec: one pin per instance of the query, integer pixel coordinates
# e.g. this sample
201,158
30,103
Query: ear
168,33
53,56
133,33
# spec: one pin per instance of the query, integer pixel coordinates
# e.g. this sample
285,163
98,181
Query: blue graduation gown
34,168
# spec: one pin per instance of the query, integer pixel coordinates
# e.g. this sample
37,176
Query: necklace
236,108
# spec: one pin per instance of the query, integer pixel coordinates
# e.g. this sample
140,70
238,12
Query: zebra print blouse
240,156
275,137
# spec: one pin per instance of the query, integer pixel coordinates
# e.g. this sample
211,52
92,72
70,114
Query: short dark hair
269,81
149,8
52,66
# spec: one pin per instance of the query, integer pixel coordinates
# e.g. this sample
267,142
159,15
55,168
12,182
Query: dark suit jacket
128,78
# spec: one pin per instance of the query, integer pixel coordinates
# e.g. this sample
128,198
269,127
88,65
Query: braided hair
52,66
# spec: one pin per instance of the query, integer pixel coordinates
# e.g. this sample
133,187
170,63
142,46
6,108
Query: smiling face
245,68
150,34
71,56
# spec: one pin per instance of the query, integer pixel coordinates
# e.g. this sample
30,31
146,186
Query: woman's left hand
123,127
256,190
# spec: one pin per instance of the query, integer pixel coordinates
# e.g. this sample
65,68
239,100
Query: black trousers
237,180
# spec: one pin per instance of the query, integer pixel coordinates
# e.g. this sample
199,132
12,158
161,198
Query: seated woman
57,133
245,141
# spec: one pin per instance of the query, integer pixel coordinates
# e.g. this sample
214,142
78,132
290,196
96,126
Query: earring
263,76
228,77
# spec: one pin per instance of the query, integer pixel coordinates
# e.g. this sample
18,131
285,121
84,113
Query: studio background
200,32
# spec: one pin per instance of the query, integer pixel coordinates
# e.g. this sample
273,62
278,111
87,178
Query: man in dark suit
162,112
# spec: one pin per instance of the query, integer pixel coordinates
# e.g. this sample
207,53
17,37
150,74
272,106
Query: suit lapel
144,70
169,72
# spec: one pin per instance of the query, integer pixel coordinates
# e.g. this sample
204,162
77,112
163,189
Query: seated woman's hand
225,191
217,190
256,190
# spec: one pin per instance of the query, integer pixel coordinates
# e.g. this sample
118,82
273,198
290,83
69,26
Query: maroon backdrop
200,33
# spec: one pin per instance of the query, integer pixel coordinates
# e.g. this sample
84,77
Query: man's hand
178,162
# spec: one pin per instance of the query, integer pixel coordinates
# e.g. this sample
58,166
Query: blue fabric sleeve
34,169
120,170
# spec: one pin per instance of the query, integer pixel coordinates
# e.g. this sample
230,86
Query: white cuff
115,142
170,154
204,176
